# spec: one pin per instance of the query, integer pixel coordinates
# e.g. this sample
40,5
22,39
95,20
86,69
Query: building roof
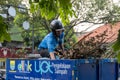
111,32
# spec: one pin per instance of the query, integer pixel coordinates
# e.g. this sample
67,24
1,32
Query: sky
86,27
116,1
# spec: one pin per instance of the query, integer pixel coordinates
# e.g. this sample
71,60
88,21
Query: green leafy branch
49,9
116,47
4,35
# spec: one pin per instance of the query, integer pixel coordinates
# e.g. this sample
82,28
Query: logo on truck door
12,66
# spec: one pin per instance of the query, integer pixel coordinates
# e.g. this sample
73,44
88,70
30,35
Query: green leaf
49,9
32,8
7,38
1,19
3,31
118,57
116,45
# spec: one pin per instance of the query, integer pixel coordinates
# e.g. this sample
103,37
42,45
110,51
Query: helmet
56,25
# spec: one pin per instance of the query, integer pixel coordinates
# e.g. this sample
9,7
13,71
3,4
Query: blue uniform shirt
50,42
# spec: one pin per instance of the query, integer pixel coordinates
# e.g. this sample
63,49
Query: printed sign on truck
24,69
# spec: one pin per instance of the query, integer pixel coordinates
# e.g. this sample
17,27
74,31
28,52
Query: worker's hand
59,51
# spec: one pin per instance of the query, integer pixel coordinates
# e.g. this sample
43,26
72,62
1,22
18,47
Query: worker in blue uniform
52,40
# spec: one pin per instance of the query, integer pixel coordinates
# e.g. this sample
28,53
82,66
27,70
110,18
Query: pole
32,39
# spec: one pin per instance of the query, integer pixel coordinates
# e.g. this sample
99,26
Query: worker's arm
61,42
52,56
62,48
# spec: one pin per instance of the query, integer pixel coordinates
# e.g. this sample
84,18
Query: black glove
59,51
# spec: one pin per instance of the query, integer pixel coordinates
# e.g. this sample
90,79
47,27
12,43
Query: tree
116,47
50,9
73,12
3,31
92,11
6,23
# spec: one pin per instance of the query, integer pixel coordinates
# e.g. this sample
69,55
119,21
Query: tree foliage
49,9
3,31
70,12
6,23
116,47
